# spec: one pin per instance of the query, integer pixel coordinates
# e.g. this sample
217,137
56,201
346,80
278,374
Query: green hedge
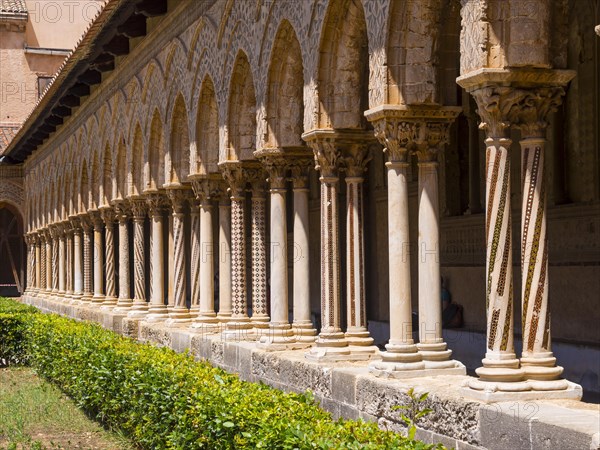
162,399
13,320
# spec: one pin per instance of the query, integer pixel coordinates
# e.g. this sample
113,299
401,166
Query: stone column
77,263
69,261
62,260
395,132
302,325
260,315
48,264
139,308
32,241
28,264
356,158
331,343
88,229
108,216
432,136
179,315
98,225
157,310
537,361
124,300
225,305
194,258
280,335
239,326
40,269
206,320
55,258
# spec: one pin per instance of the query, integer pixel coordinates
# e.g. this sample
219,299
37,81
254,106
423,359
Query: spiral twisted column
34,263
139,307
239,326
55,258
88,229
206,320
48,263
108,216
179,315
157,310
195,245
42,262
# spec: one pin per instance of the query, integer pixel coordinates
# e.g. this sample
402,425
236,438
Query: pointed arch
207,129
242,111
137,161
343,79
179,162
107,176
285,104
121,172
156,153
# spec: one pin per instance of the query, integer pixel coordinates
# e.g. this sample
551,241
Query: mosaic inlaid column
280,335
139,308
302,324
432,137
124,300
537,360
30,264
331,343
194,258
69,261
88,231
77,263
157,310
239,326
356,158
225,305
38,267
98,225
108,216
500,363
260,313
34,263
395,133
48,264
207,318
179,315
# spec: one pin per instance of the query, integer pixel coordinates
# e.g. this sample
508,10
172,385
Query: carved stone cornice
531,113
401,129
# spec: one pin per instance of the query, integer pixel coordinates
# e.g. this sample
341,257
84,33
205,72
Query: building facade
303,174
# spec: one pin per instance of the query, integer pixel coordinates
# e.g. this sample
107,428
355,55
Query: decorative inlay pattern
138,208
86,224
108,216
179,199
259,251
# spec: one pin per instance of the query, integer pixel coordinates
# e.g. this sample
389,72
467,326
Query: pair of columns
524,99
422,131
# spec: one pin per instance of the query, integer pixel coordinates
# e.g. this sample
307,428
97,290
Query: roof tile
13,6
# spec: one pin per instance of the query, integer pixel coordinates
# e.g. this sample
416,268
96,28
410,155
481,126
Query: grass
34,414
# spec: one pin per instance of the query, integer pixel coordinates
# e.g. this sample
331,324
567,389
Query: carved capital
179,199
431,138
531,113
108,216
75,223
395,135
97,221
86,223
139,208
356,157
300,168
277,167
156,203
326,152
238,175
122,211
205,189
495,106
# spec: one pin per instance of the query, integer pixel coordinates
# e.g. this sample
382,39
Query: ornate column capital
401,128
96,219
206,189
499,92
86,222
122,211
139,207
276,165
356,157
156,202
238,175
326,153
300,168
531,113
179,197
108,215
75,223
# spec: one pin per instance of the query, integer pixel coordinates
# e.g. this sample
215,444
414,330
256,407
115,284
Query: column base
97,300
490,392
137,312
206,323
123,305
239,329
540,366
224,317
304,332
178,317
333,347
260,324
108,304
280,337
434,352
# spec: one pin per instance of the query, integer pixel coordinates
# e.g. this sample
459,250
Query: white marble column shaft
157,309
225,306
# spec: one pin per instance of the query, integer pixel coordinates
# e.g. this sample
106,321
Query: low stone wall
348,390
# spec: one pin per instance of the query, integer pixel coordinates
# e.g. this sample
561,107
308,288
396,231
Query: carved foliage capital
179,199
396,135
97,221
531,113
156,203
431,138
86,223
206,189
300,168
495,105
108,215
327,156
75,223
138,208
356,157
122,211
277,167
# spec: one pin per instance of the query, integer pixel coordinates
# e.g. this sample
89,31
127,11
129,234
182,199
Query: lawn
34,414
